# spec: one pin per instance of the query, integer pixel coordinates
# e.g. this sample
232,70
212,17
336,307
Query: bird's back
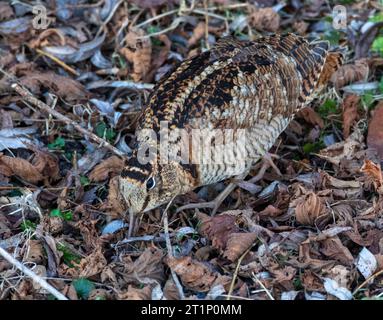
256,85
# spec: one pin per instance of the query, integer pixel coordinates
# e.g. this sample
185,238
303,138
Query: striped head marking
147,186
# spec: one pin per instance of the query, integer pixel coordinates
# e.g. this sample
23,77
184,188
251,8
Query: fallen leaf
375,130
334,249
237,244
138,51
147,265
366,263
218,229
34,252
374,174
350,73
264,19
64,87
135,293
309,208
349,113
19,167
107,169
92,264
6,11
333,288
198,33
311,116
194,274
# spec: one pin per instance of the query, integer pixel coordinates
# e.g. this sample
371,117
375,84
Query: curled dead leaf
20,167
138,51
374,174
308,208
198,33
92,264
148,265
106,169
350,73
264,19
65,87
218,229
136,294
237,244
115,205
194,274
349,113
311,116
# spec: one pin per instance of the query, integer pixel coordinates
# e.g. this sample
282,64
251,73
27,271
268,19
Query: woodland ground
313,232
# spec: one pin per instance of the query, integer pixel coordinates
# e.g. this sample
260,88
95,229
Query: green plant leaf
83,287
59,143
56,213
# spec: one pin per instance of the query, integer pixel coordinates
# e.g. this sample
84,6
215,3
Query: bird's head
147,186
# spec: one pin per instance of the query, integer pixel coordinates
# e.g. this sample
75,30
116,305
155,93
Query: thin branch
170,250
32,275
230,293
27,96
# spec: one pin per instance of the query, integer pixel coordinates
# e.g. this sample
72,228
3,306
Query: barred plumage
257,86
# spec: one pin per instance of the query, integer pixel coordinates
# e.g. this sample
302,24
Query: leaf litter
315,232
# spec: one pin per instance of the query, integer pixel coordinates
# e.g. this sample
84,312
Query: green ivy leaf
59,143
83,287
56,213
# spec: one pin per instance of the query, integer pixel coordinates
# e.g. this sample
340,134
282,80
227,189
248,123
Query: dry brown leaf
237,244
311,116
308,208
20,167
5,11
107,169
170,290
194,274
284,276
92,264
341,275
34,252
329,181
349,73
115,205
198,33
99,294
344,150
264,19
349,113
136,294
334,249
218,229
64,87
139,53
300,27
374,174
375,130
270,212
148,265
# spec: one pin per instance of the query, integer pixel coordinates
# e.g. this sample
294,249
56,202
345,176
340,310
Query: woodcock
253,86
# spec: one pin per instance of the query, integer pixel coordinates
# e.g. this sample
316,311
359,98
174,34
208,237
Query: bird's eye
150,183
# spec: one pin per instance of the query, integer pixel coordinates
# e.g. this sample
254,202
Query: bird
252,89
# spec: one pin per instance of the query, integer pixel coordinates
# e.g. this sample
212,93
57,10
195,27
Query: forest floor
314,231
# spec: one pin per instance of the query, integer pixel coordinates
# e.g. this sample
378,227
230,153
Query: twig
58,61
32,275
230,293
367,280
263,287
27,96
170,250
